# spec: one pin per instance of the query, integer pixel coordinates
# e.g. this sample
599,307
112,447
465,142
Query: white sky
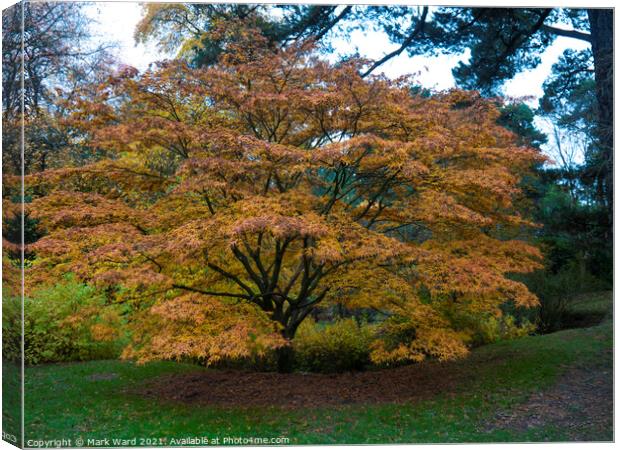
117,22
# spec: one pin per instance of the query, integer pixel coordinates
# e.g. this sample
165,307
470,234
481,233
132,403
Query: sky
117,21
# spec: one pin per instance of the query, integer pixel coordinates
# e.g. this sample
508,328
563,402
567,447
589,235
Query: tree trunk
602,35
285,357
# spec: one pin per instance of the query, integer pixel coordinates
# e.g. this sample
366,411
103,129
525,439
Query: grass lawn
90,400
11,401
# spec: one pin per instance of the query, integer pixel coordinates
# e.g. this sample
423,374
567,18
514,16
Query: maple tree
235,199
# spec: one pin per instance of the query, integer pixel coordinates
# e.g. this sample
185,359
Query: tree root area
579,402
238,388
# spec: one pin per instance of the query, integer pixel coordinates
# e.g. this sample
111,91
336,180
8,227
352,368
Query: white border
551,3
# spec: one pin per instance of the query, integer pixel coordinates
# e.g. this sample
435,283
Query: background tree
58,56
185,29
239,197
573,197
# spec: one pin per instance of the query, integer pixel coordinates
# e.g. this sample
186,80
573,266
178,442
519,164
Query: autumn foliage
234,200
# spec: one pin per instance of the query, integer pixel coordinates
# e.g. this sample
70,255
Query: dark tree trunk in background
602,36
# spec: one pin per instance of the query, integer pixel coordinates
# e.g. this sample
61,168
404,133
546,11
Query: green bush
66,322
481,328
334,347
554,291
11,328
491,329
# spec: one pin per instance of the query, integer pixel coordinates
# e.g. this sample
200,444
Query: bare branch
574,34
418,29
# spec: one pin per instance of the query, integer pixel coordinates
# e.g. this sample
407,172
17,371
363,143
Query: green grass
11,401
595,304
62,401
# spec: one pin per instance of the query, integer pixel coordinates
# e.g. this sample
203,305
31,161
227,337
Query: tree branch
215,294
418,29
574,34
331,24
232,277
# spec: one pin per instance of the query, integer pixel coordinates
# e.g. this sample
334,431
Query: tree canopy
234,199
501,41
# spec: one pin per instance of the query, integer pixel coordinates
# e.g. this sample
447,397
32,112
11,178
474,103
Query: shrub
66,322
486,327
11,328
554,292
334,347
489,329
